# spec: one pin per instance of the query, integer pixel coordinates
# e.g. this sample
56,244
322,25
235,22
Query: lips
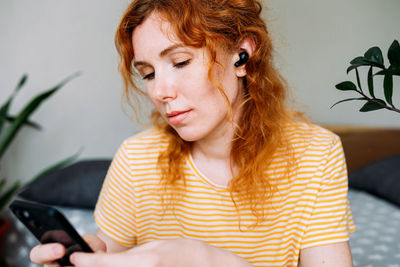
176,117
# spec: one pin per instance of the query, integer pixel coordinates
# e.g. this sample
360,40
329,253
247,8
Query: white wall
50,39
316,40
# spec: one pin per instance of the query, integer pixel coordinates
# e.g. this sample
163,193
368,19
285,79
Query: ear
248,46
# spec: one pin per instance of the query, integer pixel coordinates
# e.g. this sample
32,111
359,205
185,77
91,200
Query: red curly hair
214,24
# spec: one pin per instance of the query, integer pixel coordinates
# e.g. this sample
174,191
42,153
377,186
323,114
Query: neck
212,157
215,147
212,154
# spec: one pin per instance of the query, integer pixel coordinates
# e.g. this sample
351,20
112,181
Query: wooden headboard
363,145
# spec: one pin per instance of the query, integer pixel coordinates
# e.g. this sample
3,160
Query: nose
164,88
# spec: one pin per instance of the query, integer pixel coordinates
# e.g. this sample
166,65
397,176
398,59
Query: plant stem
392,108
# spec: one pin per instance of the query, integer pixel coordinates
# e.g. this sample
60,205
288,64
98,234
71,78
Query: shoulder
316,154
148,143
308,133
149,139
140,151
310,142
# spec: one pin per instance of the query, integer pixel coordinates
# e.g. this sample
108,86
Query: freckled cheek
194,79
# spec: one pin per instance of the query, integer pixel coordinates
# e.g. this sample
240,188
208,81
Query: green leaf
371,106
352,67
383,72
26,112
358,80
3,115
21,82
6,106
363,61
371,82
391,70
2,183
394,54
359,61
349,99
394,70
388,88
6,197
346,86
374,54
32,124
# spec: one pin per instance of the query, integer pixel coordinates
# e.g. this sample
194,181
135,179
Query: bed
373,159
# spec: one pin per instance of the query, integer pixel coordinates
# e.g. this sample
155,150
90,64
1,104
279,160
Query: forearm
111,245
165,253
211,256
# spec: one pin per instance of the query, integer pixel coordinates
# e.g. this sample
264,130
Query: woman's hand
147,255
47,254
162,253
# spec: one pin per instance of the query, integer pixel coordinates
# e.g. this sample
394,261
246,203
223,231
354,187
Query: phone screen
48,225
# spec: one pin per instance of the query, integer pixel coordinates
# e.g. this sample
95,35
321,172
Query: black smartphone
48,225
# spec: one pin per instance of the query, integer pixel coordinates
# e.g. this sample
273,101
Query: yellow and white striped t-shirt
310,208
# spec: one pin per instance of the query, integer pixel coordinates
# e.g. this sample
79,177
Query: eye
182,64
149,76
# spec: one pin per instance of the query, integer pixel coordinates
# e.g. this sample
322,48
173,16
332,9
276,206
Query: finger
81,259
95,243
120,259
47,254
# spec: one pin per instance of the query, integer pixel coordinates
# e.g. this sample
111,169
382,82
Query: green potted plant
10,126
374,61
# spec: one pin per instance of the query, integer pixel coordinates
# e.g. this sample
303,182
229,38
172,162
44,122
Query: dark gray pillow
77,185
380,178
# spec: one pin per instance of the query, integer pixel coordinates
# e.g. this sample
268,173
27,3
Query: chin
189,135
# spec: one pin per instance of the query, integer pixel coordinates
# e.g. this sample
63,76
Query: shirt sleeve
331,219
114,209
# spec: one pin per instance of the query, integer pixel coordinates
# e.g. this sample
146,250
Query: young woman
227,176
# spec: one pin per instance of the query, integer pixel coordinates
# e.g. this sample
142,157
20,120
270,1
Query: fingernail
72,258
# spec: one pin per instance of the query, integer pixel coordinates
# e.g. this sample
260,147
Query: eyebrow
163,53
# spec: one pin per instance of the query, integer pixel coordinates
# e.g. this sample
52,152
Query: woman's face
176,78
